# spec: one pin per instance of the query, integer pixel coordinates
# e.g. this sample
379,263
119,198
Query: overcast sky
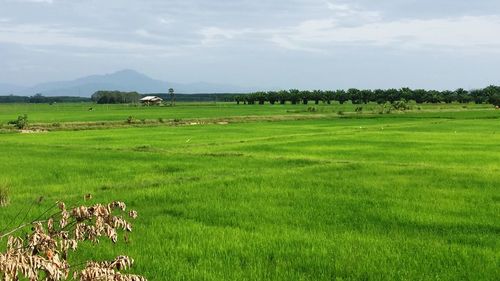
314,44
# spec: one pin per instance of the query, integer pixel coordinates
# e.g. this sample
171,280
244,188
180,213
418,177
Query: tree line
111,97
490,94
214,97
105,97
39,98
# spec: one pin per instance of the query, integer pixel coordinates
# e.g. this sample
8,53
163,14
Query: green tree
366,96
379,96
420,95
294,96
354,95
282,96
171,93
462,95
393,95
406,93
305,96
494,99
106,97
328,96
317,95
21,122
238,99
272,97
261,97
341,96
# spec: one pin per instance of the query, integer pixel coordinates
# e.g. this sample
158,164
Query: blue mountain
124,80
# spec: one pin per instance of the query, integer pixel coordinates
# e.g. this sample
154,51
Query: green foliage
118,113
272,97
192,98
14,99
364,96
129,120
385,108
494,99
4,194
294,96
110,97
39,98
388,107
401,105
314,199
238,99
21,122
171,93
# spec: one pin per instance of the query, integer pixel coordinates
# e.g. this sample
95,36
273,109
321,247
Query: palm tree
172,96
294,96
282,96
272,97
355,95
316,95
328,96
341,96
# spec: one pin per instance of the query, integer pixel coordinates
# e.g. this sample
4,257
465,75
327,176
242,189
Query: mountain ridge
123,80
10,88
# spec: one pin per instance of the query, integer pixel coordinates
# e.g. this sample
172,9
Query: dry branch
43,254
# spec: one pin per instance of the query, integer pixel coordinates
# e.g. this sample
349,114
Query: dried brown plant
43,254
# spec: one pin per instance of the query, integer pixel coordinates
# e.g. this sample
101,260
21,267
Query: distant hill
8,89
125,80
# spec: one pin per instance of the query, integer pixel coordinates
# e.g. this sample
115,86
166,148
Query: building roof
151,98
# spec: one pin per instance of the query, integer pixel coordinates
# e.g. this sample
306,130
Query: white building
151,100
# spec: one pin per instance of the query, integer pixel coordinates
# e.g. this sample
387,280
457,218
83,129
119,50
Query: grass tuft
4,195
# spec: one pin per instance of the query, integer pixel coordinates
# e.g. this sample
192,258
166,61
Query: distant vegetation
489,94
39,98
226,97
21,122
115,97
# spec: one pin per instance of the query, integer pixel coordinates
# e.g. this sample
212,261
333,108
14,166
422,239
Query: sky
274,44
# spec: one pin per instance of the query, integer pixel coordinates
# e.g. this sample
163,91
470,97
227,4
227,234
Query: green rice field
342,196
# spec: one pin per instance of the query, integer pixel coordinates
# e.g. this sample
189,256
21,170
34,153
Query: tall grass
78,112
390,197
4,194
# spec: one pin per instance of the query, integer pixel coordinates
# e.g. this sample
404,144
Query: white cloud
259,35
321,35
50,36
468,33
212,35
352,13
35,1
288,44
338,7
166,21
